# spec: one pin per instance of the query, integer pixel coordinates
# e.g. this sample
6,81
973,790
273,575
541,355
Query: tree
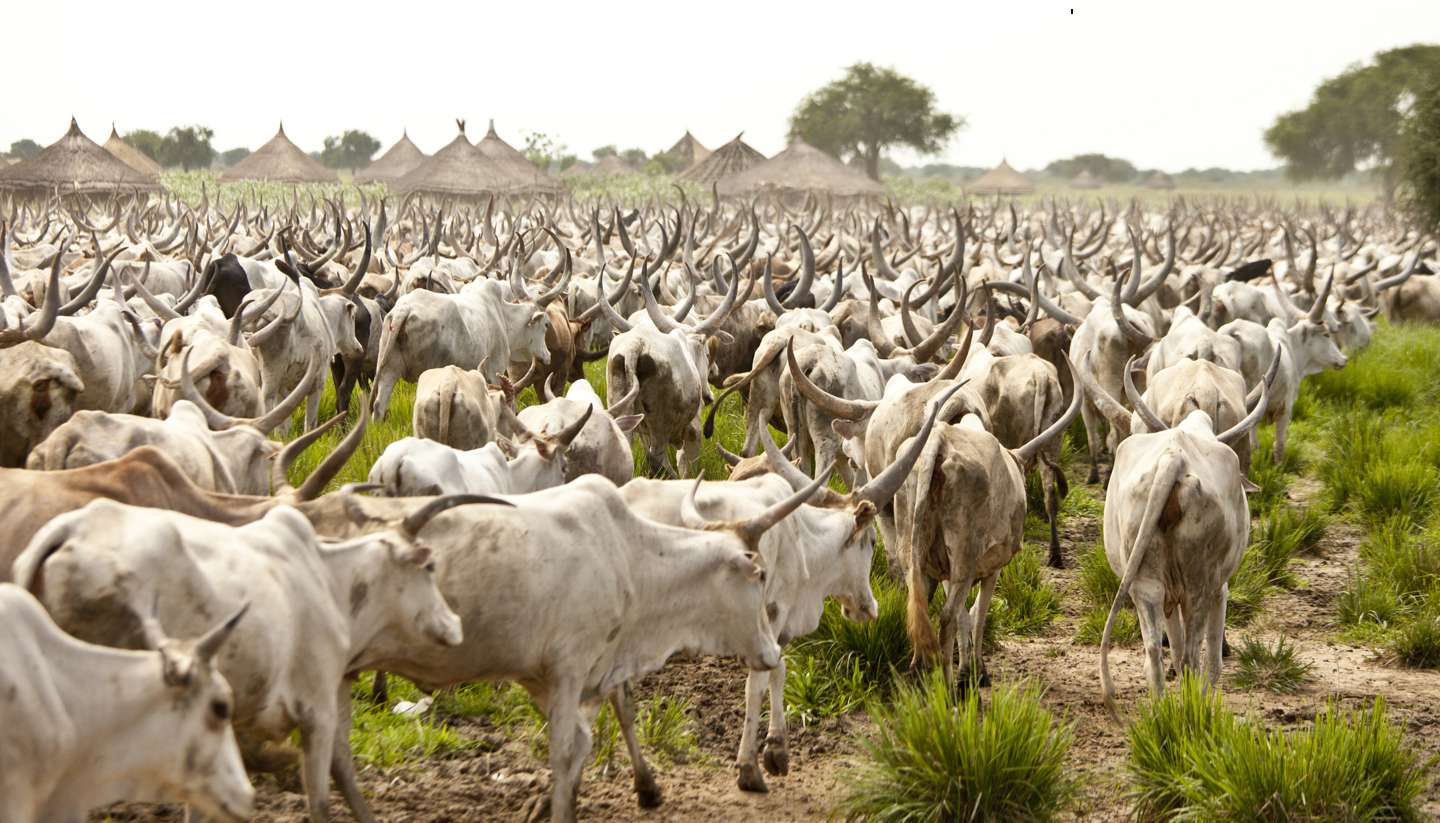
635,157
1109,169
147,142
604,152
869,110
24,148
188,147
233,156
544,151
1420,159
1356,119
350,150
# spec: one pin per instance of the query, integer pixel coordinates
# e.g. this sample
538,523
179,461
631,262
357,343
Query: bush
1192,759
1125,632
1024,603
937,757
1271,668
1417,642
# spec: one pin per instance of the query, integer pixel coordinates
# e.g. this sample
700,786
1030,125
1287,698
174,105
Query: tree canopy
188,147
25,148
1356,119
869,110
350,150
147,142
1109,169
1420,159
233,156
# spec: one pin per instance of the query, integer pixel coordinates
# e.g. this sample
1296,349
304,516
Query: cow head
1313,347
39,386
204,752
531,342
400,593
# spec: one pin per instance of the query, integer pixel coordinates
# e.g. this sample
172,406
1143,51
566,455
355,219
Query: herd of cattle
933,358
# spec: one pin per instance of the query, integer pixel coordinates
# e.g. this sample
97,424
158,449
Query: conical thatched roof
388,168
1159,180
731,158
1085,180
1001,180
458,170
687,151
75,164
801,168
279,161
516,166
129,155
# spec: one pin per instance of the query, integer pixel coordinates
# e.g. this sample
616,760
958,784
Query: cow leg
1282,429
955,627
312,406
340,375
1148,613
569,746
342,762
317,744
384,384
978,613
647,792
757,414
777,748
1051,479
893,561
690,449
1093,441
751,779
1175,638
1215,635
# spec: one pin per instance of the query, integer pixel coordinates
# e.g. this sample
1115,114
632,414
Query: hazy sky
1163,84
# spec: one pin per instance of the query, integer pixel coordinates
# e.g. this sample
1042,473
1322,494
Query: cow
415,467
1176,524
476,326
603,445
39,387
960,517
157,728
459,408
323,611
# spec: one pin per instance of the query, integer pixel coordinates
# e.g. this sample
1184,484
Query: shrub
1271,668
1125,632
1024,603
938,757
1166,738
1417,642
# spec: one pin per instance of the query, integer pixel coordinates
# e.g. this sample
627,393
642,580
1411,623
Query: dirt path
495,785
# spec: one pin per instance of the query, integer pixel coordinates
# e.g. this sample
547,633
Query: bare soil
495,785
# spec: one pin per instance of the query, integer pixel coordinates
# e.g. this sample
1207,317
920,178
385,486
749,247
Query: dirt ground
495,785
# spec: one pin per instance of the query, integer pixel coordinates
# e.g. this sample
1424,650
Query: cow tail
447,405
29,569
1040,397
1167,474
923,640
388,342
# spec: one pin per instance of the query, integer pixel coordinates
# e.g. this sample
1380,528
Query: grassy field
1364,455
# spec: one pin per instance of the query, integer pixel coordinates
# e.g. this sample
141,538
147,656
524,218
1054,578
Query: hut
1085,180
398,161
1003,179
75,164
1159,180
129,155
731,158
458,170
525,177
801,168
279,161
686,152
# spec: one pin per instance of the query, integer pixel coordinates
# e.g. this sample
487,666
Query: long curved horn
280,468
92,288
662,321
826,402
161,310
210,643
1317,311
779,463
414,522
7,286
36,327
1251,420
337,459
907,322
572,431
712,321
624,402
768,289
1396,279
1152,420
753,529
882,265
353,282
873,327
1266,380
1028,451
1143,292
807,269
259,338
1114,411
1117,309
883,486
839,290
930,345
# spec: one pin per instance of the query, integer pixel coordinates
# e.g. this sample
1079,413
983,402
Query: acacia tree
869,110
24,148
350,150
1420,159
188,147
147,142
1109,169
1356,119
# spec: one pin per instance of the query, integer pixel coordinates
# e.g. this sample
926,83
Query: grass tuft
1275,668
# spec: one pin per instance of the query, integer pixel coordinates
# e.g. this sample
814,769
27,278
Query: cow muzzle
768,657
446,630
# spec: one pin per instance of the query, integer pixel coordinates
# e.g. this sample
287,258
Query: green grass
1024,603
842,664
378,737
1268,668
1097,584
938,757
1191,759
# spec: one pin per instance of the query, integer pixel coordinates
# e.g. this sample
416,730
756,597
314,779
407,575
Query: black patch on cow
1250,271
645,367
359,593
225,279
1424,269
217,391
614,633
40,398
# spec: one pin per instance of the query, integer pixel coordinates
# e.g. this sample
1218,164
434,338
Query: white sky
1163,84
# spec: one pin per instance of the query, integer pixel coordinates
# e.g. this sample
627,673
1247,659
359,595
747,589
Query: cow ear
507,448
1248,485
849,429
864,515
418,555
749,564
536,318
177,667
628,422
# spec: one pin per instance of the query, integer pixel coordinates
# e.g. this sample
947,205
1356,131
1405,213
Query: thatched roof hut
525,176
1159,180
1003,179
458,170
731,158
687,151
279,161
1085,180
75,164
802,168
129,155
398,161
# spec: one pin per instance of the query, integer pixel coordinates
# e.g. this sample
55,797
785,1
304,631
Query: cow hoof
1224,647
1057,561
777,759
647,793
536,809
983,681
751,780
1093,476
